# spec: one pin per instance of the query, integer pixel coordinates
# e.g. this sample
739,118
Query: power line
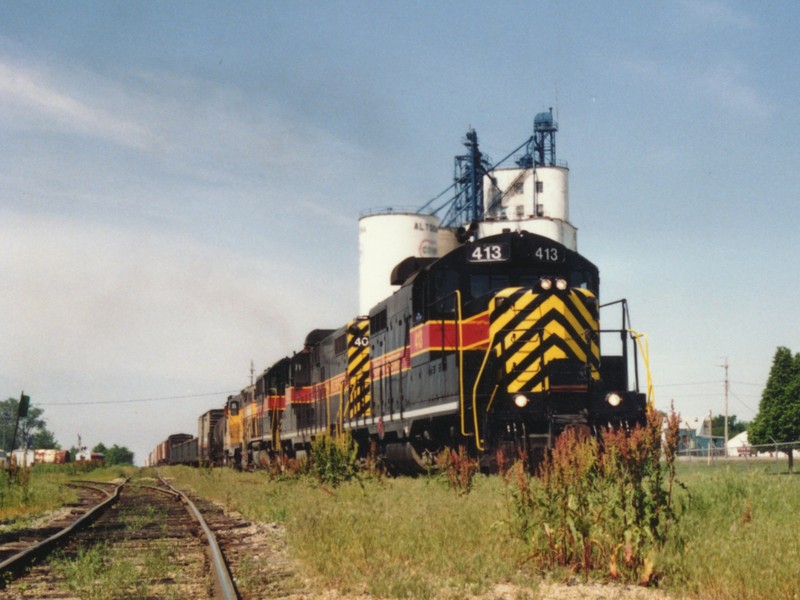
744,403
663,385
691,383
134,401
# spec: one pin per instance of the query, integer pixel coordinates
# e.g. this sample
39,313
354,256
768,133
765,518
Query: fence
763,452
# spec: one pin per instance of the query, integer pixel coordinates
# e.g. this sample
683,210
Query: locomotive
494,345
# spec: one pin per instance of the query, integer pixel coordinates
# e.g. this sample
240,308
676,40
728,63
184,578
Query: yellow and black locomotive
495,346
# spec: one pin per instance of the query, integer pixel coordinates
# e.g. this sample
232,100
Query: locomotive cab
511,325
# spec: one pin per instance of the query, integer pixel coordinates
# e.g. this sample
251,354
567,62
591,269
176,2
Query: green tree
734,426
32,430
778,418
116,455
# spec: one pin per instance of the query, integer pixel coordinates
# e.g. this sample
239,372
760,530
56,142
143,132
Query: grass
28,494
739,537
32,492
390,538
415,538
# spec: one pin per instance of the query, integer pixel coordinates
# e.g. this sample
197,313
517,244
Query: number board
360,341
549,254
488,253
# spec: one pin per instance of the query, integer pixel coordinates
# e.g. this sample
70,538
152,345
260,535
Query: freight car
184,453
209,449
162,453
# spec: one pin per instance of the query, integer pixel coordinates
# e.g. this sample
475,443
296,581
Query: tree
116,455
778,418
32,430
734,426
119,455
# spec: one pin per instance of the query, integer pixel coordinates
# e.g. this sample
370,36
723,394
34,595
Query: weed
334,459
95,574
600,505
458,469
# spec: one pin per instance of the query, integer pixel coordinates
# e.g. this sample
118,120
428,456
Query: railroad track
151,542
20,546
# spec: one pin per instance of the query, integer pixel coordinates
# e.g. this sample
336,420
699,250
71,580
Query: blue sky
180,182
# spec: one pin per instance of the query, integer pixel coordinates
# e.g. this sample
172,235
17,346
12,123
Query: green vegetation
31,432
106,572
778,418
455,532
116,455
601,507
389,537
98,573
417,538
334,459
28,493
735,426
739,536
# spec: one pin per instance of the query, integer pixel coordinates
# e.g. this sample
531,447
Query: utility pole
725,366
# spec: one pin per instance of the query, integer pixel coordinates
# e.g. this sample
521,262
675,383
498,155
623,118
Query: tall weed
602,506
334,459
458,469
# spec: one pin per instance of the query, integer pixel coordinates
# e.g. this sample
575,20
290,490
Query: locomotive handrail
637,337
478,378
460,343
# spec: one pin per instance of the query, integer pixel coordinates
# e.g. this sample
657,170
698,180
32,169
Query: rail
222,577
16,563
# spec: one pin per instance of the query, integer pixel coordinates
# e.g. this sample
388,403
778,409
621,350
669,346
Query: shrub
602,505
334,459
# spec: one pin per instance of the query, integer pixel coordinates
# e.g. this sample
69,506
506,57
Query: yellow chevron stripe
570,307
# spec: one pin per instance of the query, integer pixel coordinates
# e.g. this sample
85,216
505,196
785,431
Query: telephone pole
725,366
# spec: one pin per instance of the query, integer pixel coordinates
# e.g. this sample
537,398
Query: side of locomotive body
495,346
229,433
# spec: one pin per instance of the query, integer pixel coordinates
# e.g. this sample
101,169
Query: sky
181,182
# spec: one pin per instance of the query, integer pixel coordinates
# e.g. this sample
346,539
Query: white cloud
150,140
112,300
29,94
95,318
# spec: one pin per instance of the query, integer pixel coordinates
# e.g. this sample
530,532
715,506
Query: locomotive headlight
561,284
613,399
521,400
545,283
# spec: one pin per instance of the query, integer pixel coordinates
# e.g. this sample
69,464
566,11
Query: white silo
551,192
385,239
534,199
